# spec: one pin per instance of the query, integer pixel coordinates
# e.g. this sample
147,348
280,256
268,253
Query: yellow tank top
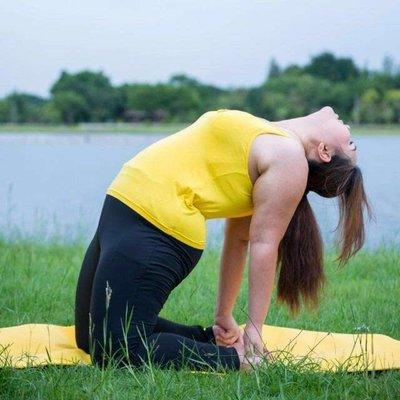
195,174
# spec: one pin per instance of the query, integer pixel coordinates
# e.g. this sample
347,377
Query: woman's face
337,134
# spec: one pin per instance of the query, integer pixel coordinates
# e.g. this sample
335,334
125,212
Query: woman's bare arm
233,259
276,194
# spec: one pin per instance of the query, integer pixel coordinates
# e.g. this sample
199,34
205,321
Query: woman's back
195,174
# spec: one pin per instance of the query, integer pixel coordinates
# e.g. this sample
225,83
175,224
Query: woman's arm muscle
276,194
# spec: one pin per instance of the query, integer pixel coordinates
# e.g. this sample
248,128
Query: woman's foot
247,362
239,347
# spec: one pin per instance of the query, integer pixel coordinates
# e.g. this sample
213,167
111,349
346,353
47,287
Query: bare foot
239,347
247,362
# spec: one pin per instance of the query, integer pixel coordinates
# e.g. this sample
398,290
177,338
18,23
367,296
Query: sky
227,43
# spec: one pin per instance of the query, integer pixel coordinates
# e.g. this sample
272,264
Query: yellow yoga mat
41,344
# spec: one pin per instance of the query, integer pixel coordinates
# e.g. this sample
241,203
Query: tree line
359,95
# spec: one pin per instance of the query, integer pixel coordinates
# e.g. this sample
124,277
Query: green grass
38,285
165,128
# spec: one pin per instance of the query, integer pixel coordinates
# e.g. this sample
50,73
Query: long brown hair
300,255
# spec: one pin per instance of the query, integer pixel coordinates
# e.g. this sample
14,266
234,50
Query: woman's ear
323,152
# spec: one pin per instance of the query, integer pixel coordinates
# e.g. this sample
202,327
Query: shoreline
161,128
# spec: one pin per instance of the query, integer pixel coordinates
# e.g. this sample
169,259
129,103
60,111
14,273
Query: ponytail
351,227
300,253
300,256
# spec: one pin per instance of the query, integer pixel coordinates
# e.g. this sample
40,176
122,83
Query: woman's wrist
223,315
253,325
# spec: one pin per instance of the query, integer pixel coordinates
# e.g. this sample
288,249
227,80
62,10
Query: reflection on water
55,183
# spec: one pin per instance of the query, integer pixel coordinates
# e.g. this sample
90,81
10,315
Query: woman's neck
307,130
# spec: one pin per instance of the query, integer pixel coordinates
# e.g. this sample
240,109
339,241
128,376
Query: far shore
161,128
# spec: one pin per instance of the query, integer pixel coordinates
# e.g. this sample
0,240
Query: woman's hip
139,264
124,230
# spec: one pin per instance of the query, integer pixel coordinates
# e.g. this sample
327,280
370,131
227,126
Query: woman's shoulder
276,151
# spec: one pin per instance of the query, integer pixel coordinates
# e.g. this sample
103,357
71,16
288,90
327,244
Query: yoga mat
41,344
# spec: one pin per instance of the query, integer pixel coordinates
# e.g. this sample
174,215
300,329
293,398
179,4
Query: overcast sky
228,43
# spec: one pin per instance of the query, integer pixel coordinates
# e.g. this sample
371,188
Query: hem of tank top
279,132
144,213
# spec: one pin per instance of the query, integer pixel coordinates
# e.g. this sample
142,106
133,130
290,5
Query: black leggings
127,274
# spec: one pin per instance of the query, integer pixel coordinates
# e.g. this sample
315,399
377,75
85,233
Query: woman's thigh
83,293
117,304
135,286
138,268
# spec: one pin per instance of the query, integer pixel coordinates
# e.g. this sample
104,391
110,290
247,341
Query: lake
54,184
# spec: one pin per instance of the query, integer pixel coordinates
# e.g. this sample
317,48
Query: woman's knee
117,354
120,348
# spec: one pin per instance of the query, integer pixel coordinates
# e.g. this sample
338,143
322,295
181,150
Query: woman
152,232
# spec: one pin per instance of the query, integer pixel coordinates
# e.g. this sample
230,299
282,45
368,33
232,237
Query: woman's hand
248,343
226,330
253,343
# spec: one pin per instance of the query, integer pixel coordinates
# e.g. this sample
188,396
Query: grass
165,128
38,285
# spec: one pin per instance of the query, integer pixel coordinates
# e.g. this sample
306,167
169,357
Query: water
54,184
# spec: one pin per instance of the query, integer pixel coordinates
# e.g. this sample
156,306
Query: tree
183,80
72,107
208,95
391,104
181,102
370,106
274,69
84,96
388,65
23,107
4,111
327,66
289,96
